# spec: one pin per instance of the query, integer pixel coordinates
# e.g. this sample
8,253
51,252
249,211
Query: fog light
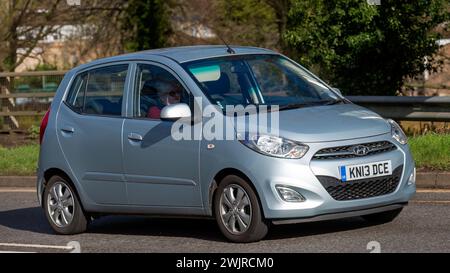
412,177
289,195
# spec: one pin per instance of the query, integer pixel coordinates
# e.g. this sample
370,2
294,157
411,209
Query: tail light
43,126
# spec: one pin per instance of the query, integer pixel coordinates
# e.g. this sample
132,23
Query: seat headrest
149,89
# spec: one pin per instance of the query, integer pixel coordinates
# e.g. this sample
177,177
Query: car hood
325,123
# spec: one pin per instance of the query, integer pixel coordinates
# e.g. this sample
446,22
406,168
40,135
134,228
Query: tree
24,23
281,9
98,34
365,49
100,28
148,25
246,22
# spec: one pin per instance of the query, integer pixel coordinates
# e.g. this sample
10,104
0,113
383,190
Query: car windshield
259,80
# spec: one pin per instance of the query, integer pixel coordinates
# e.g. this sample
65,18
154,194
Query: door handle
134,137
68,130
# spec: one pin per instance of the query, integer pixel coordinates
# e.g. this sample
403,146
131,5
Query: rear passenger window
104,91
99,91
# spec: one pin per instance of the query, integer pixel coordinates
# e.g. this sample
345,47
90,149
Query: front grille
364,188
347,151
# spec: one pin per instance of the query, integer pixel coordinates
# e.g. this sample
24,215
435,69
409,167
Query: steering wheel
228,99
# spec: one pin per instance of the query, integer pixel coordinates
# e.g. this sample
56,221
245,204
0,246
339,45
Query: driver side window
156,88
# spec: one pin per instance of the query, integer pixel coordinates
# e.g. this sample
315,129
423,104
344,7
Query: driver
168,93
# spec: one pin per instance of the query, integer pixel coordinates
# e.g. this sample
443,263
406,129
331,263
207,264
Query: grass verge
430,152
20,160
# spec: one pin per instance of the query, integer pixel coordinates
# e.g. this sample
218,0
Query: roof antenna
229,49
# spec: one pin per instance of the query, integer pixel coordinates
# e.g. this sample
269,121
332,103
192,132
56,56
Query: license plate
368,170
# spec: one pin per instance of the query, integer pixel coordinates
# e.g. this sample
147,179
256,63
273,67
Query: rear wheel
238,212
383,217
62,207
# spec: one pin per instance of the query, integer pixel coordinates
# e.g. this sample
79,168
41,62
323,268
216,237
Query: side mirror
175,111
337,90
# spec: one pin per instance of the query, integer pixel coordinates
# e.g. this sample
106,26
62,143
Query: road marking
433,191
37,246
16,252
8,190
430,202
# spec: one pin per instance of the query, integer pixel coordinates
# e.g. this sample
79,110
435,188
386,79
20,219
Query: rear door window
104,91
99,91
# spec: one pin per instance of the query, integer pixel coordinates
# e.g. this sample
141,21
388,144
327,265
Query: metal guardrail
26,94
398,108
407,108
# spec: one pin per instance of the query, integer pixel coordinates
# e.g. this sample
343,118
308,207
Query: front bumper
302,175
339,215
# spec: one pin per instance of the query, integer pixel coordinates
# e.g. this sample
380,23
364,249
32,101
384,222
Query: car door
159,170
89,129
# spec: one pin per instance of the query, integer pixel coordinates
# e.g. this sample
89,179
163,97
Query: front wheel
238,212
62,207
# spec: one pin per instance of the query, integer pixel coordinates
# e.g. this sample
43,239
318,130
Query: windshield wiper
301,105
333,102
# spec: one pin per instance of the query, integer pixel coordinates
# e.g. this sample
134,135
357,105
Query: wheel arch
49,173
219,177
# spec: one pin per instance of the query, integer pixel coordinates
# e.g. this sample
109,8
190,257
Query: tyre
383,217
238,212
62,207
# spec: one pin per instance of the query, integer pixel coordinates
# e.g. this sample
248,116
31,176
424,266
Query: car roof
190,53
182,54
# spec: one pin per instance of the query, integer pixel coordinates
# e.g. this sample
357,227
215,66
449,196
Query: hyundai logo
360,150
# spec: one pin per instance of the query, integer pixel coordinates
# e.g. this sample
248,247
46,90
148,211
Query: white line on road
7,190
16,252
430,202
433,190
37,246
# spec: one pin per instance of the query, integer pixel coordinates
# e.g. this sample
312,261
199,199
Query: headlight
397,132
275,146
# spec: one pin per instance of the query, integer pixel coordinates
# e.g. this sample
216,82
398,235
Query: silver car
108,144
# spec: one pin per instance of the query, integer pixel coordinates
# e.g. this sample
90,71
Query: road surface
423,226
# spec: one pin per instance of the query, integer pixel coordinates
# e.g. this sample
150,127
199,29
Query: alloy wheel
235,209
60,204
